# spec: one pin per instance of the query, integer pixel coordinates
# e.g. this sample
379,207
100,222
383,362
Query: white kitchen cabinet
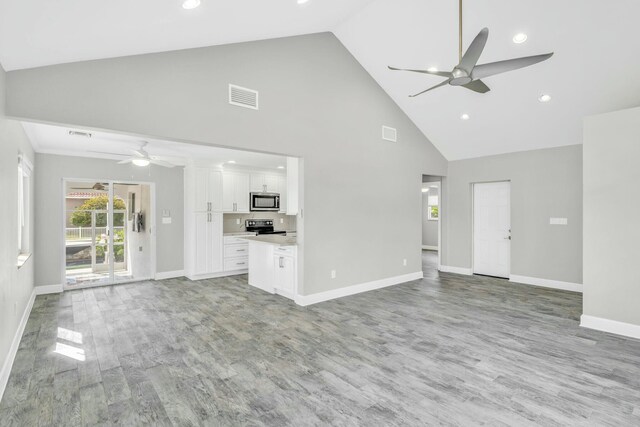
282,187
207,243
235,192
284,276
203,249
265,183
293,186
207,185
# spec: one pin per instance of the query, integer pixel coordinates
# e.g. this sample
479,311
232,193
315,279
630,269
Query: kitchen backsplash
230,219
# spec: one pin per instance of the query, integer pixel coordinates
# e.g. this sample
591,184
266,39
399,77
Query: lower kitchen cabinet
284,268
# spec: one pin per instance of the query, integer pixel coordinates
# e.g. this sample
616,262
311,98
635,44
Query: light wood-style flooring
445,350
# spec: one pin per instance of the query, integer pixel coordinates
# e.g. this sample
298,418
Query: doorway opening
492,229
107,230
431,225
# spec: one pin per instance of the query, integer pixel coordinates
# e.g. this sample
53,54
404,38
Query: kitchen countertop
240,233
272,239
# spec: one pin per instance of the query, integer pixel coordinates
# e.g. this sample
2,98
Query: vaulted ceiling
594,69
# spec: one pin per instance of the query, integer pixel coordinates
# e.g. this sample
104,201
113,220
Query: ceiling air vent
243,97
389,134
79,133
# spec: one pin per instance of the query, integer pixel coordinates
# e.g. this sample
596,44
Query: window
24,195
432,208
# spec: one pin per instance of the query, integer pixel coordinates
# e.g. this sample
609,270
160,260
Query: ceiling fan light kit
468,73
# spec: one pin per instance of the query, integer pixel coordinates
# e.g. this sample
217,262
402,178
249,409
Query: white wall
16,285
51,171
612,217
544,183
316,102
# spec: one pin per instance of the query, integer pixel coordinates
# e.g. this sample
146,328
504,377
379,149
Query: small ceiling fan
98,186
467,73
140,157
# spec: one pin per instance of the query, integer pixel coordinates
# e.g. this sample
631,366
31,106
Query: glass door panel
107,234
86,234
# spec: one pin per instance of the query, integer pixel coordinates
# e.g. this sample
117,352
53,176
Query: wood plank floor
445,350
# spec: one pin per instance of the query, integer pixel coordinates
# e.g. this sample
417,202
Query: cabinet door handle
281,262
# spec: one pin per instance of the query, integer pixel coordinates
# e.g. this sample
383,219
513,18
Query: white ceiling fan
140,157
467,73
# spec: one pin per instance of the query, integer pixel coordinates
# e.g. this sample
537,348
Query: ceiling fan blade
446,82
110,154
140,153
472,55
477,86
435,73
125,161
162,163
493,68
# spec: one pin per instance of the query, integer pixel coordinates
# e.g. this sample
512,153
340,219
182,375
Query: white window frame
25,168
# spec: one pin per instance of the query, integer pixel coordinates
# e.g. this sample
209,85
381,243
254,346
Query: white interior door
492,229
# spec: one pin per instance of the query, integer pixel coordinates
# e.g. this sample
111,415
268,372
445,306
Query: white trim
163,275
611,326
429,248
13,350
195,277
546,283
305,300
48,289
456,270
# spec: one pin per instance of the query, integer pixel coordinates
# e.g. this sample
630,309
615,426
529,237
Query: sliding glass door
102,225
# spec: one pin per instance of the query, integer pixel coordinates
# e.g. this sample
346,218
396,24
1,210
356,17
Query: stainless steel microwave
265,202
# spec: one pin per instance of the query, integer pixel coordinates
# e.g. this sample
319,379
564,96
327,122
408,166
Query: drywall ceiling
56,140
43,32
594,69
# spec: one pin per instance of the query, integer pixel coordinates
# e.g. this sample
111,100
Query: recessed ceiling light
190,4
544,98
302,1
425,190
520,38
233,162
140,162
465,116
280,167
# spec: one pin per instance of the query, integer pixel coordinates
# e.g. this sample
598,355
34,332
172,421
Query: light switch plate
558,221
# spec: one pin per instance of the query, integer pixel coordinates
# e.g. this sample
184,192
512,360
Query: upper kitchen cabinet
265,183
235,192
204,192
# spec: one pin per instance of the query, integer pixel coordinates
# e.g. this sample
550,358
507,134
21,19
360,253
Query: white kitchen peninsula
273,263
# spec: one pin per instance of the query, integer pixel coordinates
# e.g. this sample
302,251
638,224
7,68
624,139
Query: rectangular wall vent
389,134
243,97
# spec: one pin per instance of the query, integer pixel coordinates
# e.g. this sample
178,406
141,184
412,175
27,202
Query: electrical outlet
404,262
237,221
281,220
333,274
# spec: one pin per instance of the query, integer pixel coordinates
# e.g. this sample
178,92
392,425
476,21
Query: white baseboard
611,326
48,289
546,283
456,270
216,275
429,248
169,274
13,350
305,300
